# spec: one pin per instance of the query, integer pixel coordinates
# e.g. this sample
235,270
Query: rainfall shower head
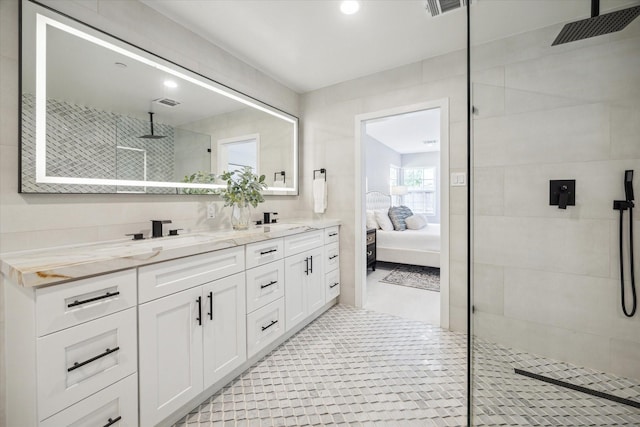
597,25
151,135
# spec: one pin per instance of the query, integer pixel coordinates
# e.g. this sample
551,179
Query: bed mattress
425,239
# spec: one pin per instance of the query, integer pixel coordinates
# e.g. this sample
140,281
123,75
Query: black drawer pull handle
107,352
311,268
199,318
107,295
268,252
273,282
334,285
273,322
306,266
210,305
333,234
333,256
112,421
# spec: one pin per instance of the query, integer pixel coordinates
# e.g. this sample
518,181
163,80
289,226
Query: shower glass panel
551,344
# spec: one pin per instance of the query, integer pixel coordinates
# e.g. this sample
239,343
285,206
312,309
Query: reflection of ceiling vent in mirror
166,101
438,7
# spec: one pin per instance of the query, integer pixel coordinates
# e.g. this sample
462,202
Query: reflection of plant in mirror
200,178
243,188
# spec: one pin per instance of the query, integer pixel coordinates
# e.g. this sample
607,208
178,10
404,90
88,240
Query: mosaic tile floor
354,367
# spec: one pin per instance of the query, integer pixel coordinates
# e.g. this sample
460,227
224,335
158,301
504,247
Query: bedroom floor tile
402,301
356,367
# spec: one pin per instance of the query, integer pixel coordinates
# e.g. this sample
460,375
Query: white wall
32,221
329,140
378,159
425,160
547,280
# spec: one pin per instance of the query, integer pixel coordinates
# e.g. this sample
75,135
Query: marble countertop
54,265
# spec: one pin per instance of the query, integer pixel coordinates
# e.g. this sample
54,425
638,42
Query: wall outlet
211,210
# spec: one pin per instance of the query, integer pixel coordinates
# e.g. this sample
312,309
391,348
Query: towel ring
321,171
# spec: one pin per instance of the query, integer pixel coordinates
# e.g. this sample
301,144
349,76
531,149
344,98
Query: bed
416,247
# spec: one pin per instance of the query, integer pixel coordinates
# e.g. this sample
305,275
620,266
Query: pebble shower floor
353,367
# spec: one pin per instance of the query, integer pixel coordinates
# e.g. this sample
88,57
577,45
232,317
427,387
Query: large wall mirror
102,116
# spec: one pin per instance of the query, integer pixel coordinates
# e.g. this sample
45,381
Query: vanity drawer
116,404
265,284
332,256
165,278
264,252
104,349
331,234
59,307
302,242
264,326
333,284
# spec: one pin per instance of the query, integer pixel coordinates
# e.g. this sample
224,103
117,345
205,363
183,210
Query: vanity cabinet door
315,281
171,365
225,327
304,285
295,294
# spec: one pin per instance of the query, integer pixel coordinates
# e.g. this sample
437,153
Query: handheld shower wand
623,205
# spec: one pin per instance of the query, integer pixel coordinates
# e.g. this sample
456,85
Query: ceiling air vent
438,7
166,101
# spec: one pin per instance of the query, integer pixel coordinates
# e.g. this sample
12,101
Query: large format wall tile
574,302
488,191
579,133
488,288
561,344
560,245
624,358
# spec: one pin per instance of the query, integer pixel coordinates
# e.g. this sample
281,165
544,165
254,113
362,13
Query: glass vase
240,217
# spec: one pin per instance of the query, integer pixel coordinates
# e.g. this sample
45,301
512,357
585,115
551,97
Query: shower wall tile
561,344
598,183
560,245
624,358
488,101
491,77
615,243
577,303
458,319
488,191
488,288
521,101
578,133
625,131
579,73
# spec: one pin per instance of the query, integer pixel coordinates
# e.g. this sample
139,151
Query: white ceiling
309,44
407,133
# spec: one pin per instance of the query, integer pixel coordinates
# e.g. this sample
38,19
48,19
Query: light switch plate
458,179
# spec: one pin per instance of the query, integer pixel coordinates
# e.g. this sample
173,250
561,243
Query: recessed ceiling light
349,7
170,83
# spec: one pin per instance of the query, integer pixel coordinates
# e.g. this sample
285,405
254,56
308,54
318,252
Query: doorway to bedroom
404,160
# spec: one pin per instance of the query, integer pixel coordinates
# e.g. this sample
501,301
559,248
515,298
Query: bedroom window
394,181
421,186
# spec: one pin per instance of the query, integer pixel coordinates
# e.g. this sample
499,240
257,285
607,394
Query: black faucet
156,226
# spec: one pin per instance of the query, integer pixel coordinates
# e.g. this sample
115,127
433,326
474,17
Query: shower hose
634,298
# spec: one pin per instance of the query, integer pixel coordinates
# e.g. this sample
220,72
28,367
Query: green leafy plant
200,178
243,188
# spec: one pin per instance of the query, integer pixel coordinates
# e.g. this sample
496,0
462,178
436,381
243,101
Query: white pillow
371,220
416,222
382,217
